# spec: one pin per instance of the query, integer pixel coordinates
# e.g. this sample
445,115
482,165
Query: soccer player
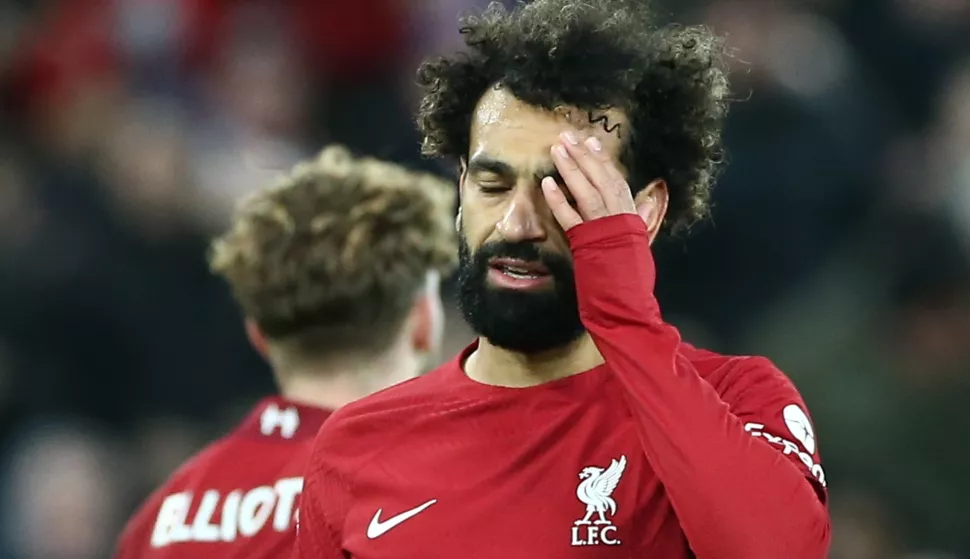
579,424
336,268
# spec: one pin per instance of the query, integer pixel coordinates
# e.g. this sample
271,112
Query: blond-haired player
336,268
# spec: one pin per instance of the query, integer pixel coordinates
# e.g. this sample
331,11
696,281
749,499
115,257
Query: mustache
557,264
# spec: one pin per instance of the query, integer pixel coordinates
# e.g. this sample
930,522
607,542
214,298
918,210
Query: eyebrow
486,164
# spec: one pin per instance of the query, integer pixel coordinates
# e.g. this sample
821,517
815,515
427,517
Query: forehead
506,128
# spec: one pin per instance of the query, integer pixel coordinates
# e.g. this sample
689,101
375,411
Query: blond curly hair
336,251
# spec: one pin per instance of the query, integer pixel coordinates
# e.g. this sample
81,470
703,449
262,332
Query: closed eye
492,185
493,188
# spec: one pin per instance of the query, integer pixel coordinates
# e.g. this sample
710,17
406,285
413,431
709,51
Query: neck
337,384
323,390
493,365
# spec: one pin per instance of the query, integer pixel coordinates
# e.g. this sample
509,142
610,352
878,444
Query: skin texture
517,187
511,206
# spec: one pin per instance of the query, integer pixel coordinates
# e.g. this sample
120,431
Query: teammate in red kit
579,424
336,268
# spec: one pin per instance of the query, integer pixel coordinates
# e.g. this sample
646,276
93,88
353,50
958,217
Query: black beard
525,322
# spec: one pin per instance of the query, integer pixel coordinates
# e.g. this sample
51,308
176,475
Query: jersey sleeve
737,496
773,411
325,500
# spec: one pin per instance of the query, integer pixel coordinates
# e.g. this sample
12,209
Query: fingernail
570,137
593,143
561,152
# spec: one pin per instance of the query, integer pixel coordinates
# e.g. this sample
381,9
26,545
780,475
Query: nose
522,221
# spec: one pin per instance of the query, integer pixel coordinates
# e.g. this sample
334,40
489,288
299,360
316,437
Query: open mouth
518,275
519,269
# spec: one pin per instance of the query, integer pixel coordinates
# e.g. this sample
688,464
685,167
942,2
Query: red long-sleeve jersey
664,451
237,498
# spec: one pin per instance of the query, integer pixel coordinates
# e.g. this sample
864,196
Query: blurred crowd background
839,246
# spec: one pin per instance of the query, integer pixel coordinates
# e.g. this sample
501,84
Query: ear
651,203
256,338
463,174
427,317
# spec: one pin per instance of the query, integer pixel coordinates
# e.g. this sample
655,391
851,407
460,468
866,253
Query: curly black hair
670,81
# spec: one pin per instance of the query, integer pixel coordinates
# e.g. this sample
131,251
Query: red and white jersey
236,498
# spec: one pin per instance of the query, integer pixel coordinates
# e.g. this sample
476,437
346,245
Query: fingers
589,158
559,204
592,179
589,201
597,167
612,176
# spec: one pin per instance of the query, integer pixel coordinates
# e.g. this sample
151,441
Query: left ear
462,175
256,338
651,203
427,316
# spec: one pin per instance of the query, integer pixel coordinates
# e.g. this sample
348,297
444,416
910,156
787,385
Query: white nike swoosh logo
378,528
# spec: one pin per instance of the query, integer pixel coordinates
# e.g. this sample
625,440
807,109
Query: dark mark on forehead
603,120
616,127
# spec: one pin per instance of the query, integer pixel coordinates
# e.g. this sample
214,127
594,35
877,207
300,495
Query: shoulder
197,468
743,381
767,403
194,468
137,531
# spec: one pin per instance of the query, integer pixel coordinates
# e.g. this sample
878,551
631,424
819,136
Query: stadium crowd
839,244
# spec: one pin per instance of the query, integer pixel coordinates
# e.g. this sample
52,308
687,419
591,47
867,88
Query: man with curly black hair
579,424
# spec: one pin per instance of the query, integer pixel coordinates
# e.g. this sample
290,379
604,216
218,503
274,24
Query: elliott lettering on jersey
220,517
